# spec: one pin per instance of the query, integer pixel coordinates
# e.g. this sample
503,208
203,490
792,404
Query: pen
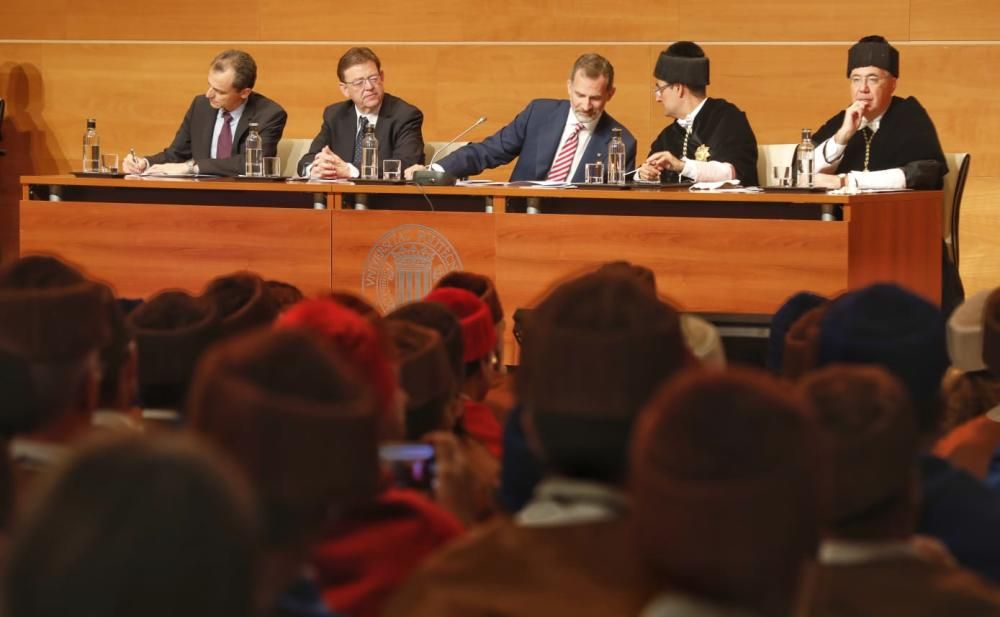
135,160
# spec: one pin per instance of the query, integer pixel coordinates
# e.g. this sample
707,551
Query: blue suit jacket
532,137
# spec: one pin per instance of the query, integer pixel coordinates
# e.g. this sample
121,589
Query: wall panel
954,20
794,20
782,62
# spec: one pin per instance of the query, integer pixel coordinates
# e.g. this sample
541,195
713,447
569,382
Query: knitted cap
969,327
479,284
294,417
598,346
887,325
479,335
171,331
56,323
726,480
441,320
242,301
865,418
684,62
424,371
873,51
782,320
356,340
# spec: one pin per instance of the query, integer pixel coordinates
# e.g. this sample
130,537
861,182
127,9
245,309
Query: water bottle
91,148
616,158
369,154
804,160
254,152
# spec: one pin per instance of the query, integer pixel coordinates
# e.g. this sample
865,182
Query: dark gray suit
194,137
399,131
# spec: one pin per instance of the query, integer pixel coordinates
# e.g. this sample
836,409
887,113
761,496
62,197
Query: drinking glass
781,175
272,166
109,163
594,173
392,169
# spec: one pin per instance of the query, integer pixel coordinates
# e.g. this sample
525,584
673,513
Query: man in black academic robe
883,141
880,140
711,139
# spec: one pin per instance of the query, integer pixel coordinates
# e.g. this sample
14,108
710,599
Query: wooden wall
135,67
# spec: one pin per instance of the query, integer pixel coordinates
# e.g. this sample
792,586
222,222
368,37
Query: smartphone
410,463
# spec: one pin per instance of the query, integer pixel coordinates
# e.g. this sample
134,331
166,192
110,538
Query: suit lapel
249,115
344,131
201,134
549,137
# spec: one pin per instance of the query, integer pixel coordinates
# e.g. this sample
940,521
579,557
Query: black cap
873,51
684,62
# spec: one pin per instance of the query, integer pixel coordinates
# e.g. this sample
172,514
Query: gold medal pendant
702,153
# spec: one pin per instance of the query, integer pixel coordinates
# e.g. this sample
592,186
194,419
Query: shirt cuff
828,155
708,171
435,167
353,171
885,179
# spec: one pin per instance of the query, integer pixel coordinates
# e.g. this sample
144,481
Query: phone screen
411,464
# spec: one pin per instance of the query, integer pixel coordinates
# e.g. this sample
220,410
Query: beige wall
135,67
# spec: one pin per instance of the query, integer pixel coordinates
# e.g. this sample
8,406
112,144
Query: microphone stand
442,178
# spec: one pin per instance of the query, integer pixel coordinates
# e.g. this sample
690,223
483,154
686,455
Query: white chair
431,148
291,150
954,187
769,155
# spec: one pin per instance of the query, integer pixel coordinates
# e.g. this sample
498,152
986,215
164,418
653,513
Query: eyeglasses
360,83
871,80
658,90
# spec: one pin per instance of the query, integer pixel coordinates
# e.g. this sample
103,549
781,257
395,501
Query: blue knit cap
887,325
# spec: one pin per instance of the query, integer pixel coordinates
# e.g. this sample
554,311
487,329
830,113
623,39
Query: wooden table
713,252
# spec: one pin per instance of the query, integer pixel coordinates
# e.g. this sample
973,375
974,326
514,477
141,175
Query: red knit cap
356,340
479,335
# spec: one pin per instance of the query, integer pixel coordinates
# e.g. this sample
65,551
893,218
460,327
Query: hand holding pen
133,164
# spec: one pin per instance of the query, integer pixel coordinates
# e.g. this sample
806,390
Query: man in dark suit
539,135
335,152
211,137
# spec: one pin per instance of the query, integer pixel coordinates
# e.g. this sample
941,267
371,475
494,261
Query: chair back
432,147
291,150
954,187
769,155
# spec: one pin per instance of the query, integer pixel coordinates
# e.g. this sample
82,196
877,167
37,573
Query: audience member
297,421
886,325
479,342
172,330
727,482
594,351
136,526
870,562
366,553
53,324
973,396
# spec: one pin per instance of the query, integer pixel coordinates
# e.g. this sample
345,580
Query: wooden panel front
142,249
393,258
731,265
898,241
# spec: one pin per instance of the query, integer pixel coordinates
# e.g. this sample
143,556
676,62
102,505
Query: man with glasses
880,141
210,139
336,150
710,139
551,139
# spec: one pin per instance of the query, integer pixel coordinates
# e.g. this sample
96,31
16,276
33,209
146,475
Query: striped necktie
564,160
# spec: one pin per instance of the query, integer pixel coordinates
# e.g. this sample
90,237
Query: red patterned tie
564,160
224,147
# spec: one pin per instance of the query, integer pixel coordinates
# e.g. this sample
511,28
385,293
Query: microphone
442,178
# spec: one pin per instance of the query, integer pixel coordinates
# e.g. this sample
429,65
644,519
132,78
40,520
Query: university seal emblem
405,263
